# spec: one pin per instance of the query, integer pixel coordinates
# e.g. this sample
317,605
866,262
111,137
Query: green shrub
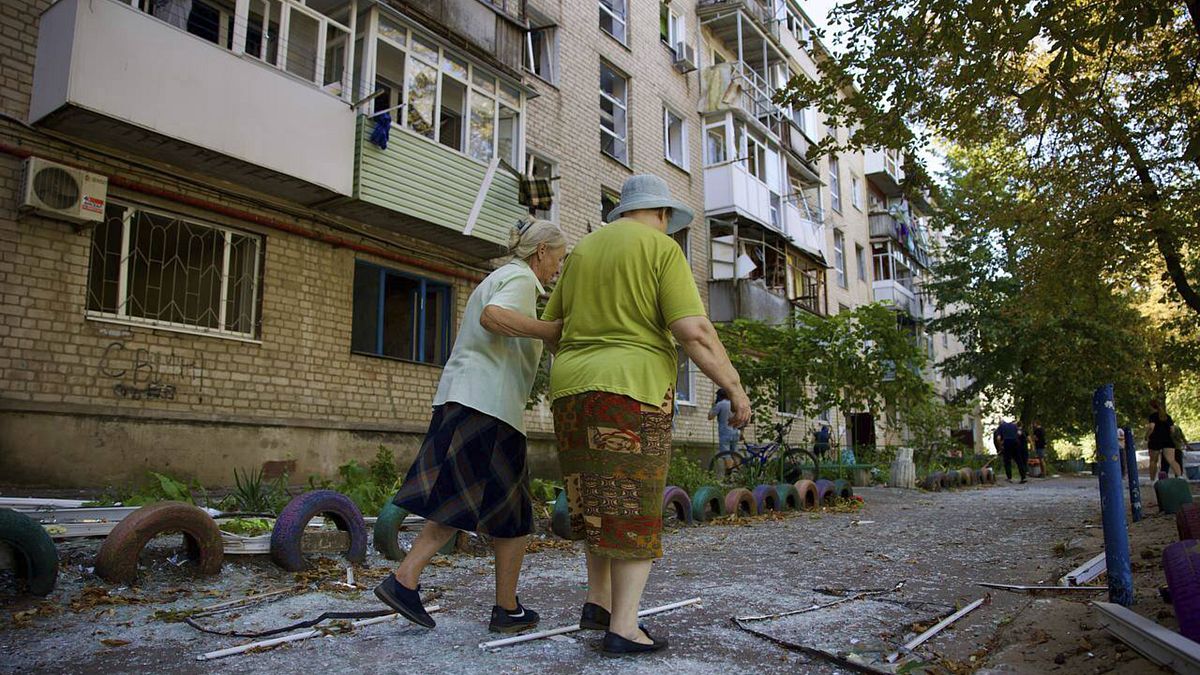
688,474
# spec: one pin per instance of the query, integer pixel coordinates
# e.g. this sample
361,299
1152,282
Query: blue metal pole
1135,489
1112,505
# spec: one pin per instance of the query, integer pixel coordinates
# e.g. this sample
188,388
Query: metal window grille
159,269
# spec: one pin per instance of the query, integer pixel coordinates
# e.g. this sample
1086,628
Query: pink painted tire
808,494
740,502
677,502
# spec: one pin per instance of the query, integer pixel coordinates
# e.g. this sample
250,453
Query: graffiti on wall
142,375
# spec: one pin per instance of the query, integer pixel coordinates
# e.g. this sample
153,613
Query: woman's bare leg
628,581
433,536
599,572
509,554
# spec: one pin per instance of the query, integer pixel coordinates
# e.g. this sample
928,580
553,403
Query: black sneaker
1023,481
405,601
594,617
515,621
615,645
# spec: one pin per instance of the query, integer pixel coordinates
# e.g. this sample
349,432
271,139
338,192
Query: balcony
111,74
719,12
746,299
737,86
421,188
806,233
884,169
899,296
489,29
731,188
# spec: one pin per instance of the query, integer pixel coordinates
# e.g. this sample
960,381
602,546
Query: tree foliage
1098,100
859,360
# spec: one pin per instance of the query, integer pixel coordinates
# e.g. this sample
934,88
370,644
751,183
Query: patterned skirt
614,453
470,474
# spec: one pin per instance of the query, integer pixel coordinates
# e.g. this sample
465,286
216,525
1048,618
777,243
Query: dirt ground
938,544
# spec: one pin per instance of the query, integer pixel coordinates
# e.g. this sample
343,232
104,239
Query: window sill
617,161
615,39
543,80
686,404
397,359
170,328
679,167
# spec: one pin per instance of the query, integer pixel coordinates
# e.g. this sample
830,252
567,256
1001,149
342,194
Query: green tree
1099,100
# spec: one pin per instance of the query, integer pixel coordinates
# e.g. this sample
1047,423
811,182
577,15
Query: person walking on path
727,436
470,473
1008,435
1039,445
625,291
1158,440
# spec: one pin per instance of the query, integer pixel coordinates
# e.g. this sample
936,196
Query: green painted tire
789,497
560,518
36,556
385,536
842,489
1172,494
707,503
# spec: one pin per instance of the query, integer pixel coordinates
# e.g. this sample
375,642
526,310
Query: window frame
502,90
835,184
623,105
420,315
855,191
122,316
860,257
531,159
839,257
622,19
676,28
684,162
613,196
682,361
551,48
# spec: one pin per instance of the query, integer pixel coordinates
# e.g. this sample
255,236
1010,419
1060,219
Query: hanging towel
536,193
383,129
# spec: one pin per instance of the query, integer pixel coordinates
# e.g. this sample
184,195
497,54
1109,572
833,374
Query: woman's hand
509,323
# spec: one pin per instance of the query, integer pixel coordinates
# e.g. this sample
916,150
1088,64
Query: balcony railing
737,85
898,295
758,10
731,188
168,88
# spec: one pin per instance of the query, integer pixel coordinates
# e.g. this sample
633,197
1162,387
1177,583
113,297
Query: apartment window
684,378
715,144
945,340
165,270
860,256
835,184
675,139
541,47
400,316
856,191
613,14
541,167
446,98
883,262
839,257
614,102
608,201
670,26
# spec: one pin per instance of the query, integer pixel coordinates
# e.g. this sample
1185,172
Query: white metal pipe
571,629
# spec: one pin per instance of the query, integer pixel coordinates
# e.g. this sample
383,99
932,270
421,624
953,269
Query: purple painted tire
1187,522
766,498
1181,562
740,502
826,494
286,550
676,500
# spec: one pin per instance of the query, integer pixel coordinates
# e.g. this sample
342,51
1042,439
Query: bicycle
755,457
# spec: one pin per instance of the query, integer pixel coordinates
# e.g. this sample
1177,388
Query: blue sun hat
647,191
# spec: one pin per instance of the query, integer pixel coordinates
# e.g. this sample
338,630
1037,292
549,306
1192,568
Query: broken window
161,269
399,315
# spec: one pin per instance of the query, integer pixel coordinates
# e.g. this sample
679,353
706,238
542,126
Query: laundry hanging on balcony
536,193
174,12
382,130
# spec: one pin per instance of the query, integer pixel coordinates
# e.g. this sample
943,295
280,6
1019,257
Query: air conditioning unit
63,192
685,57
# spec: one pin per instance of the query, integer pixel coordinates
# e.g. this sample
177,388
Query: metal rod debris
813,651
1160,645
813,608
294,637
571,629
920,639
1085,572
1018,588
240,602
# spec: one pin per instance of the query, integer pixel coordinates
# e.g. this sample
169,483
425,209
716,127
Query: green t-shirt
620,289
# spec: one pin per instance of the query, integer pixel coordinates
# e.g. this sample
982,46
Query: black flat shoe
594,617
615,645
405,601
504,621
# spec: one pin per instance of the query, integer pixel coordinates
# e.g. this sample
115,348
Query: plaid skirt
470,474
614,453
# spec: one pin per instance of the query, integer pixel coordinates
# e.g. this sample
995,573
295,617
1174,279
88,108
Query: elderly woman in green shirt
626,298
470,473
